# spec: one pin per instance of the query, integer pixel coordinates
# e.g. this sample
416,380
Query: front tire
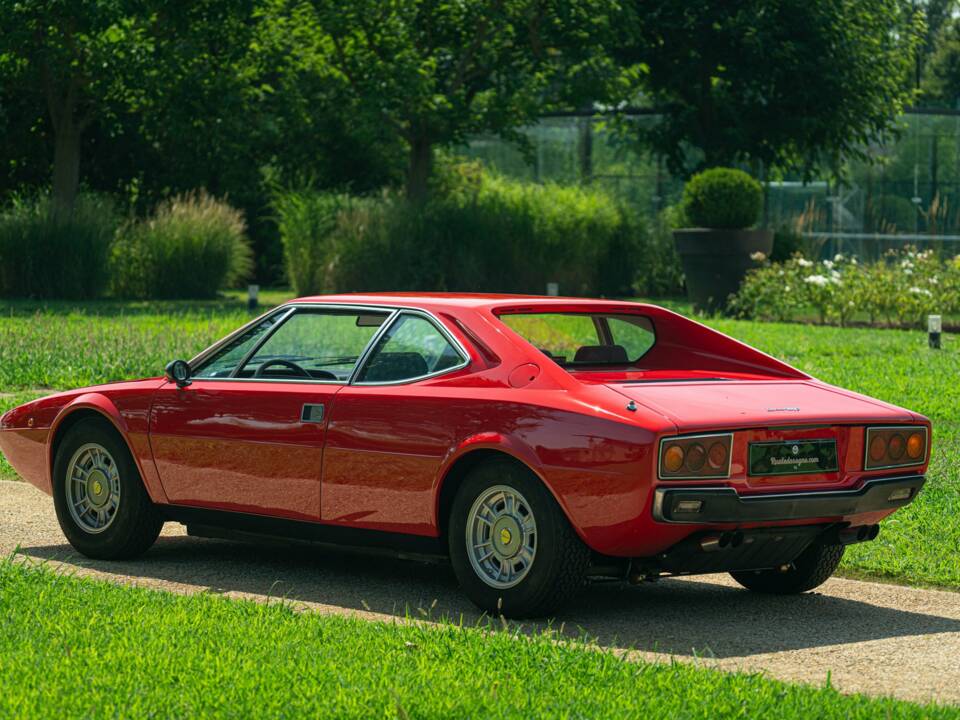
101,503
512,548
812,568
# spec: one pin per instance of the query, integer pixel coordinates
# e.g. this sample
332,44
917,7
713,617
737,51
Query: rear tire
536,562
101,503
812,568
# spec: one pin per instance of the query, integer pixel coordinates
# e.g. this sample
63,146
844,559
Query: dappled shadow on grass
684,618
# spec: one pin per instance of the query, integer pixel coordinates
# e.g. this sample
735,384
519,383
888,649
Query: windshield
586,340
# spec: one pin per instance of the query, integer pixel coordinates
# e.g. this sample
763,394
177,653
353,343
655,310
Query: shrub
47,254
659,272
722,198
478,232
307,222
900,289
192,246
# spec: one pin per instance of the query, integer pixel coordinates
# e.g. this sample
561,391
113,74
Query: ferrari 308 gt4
536,442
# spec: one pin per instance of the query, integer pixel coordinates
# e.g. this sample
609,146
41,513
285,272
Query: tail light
695,456
895,446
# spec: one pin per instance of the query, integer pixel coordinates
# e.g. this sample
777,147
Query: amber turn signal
695,457
673,458
895,446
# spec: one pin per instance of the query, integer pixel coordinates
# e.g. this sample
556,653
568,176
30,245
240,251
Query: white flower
818,280
839,258
853,261
906,263
934,281
828,264
835,277
803,262
921,291
758,256
781,272
786,288
908,271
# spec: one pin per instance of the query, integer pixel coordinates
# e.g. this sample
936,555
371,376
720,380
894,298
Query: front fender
136,438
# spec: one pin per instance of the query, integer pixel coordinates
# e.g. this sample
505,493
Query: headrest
386,367
602,354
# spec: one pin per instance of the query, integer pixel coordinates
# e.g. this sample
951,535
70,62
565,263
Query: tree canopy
436,72
788,83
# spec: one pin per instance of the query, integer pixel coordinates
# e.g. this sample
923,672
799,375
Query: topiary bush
722,198
46,253
193,246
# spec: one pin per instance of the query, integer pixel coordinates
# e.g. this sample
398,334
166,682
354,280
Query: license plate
793,457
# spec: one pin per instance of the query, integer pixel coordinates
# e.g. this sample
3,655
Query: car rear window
585,340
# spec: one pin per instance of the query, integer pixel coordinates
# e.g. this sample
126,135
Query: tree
74,60
937,15
794,84
941,82
434,72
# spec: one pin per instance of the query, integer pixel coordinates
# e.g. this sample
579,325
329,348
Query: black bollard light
933,331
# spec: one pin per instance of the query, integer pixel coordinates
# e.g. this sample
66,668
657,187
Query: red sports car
537,442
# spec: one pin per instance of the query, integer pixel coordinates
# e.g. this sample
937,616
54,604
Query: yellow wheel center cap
97,487
505,536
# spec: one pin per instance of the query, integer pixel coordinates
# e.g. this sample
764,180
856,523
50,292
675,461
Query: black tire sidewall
113,541
813,567
530,593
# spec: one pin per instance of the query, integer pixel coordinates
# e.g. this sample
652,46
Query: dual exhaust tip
861,533
723,541
844,536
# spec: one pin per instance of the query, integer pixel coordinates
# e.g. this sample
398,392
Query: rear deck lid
696,406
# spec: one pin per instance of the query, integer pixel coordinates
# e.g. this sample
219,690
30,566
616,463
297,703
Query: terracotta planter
715,262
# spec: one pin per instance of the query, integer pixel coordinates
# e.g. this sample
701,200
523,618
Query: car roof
492,301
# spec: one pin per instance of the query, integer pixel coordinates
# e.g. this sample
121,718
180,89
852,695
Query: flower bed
899,290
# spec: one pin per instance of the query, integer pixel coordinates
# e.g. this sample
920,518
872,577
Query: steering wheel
286,363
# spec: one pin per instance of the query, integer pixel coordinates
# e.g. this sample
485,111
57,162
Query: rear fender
486,443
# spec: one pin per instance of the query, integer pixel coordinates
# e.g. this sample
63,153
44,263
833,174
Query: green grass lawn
65,345
73,647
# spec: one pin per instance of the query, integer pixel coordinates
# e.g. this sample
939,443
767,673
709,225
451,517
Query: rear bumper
725,505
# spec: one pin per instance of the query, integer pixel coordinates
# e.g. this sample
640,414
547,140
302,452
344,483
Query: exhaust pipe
723,541
859,534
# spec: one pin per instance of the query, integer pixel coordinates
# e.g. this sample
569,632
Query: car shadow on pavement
676,617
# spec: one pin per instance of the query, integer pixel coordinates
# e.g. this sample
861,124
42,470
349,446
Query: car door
391,428
247,433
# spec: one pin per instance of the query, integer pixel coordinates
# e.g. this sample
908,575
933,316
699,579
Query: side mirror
178,371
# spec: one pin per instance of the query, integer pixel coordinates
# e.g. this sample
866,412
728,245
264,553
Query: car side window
411,348
632,332
226,360
315,345
556,335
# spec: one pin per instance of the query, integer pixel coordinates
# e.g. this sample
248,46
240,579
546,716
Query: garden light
933,331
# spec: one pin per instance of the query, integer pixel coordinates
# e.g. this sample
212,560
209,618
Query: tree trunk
418,171
66,166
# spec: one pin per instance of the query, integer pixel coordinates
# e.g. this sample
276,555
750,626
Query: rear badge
793,457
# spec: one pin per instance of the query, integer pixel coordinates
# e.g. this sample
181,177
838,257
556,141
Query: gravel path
868,637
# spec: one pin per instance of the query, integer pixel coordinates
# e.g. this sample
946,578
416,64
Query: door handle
311,413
